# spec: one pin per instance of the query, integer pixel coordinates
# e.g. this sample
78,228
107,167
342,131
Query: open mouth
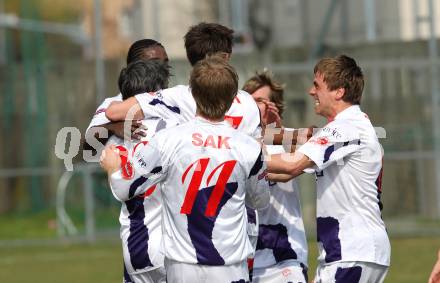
316,102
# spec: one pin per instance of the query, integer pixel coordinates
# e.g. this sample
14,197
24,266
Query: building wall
164,20
299,22
293,22
115,40
169,20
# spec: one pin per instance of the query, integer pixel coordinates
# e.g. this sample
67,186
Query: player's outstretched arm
288,163
287,136
97,136
135,129
128,109
279,177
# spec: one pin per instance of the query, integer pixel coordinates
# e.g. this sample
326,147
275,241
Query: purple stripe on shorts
252,217
348,275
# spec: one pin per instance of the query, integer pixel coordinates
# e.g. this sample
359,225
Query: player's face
155,52
324,98
260,95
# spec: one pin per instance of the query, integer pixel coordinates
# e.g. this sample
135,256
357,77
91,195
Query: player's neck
210,119
338,108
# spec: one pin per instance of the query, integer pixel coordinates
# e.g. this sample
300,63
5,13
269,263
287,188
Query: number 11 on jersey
199,168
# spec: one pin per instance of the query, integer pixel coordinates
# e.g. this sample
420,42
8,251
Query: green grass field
412,260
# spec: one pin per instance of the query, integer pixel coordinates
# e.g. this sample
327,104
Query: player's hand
137,129
270,113
278,177
110,160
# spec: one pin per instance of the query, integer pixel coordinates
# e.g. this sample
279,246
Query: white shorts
178,272
157,275
283,272
351,272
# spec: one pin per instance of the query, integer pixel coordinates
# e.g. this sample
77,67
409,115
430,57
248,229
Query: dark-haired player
201,41
144,49
140,217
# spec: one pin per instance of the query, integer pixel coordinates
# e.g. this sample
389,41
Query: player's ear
340,92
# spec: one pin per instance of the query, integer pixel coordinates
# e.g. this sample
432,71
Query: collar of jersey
204,121
348,112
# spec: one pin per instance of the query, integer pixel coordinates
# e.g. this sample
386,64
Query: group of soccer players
204,200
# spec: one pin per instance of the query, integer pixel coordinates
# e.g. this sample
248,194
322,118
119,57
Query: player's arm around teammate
346,157
204,240
144,49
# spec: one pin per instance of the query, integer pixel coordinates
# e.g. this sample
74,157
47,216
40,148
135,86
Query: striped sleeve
331,144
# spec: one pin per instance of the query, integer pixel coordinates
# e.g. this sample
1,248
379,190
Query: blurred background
60,59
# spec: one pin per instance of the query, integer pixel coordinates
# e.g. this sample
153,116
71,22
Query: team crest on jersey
320,141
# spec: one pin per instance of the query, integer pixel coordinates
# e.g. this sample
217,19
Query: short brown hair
265,78
214,84
206,39
342,72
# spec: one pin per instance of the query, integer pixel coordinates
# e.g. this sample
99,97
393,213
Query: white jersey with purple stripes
140,217
99,117
281,235
207,173
178,102
348,158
